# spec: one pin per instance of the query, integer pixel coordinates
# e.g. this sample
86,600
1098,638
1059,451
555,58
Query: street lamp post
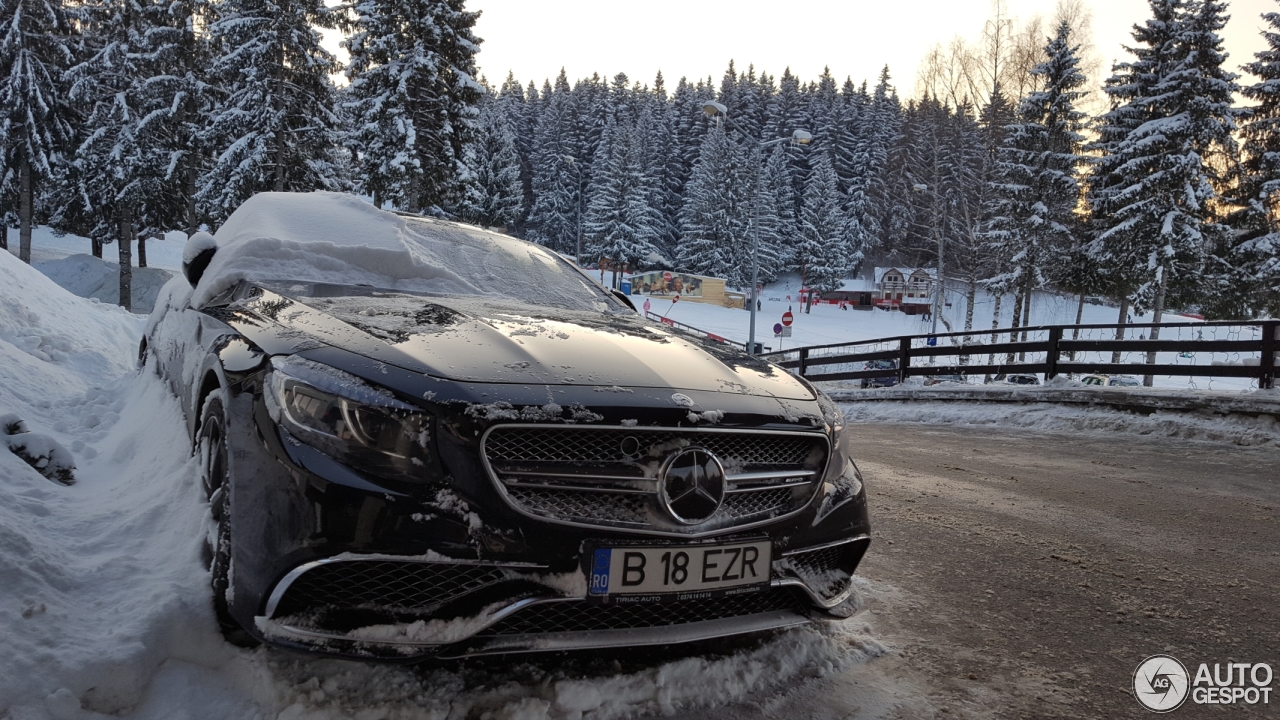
798,137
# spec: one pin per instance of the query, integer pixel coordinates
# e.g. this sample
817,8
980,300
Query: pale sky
696,38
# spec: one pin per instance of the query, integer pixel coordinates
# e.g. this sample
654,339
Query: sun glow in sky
696,38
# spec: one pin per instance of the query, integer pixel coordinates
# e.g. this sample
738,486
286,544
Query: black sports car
471,447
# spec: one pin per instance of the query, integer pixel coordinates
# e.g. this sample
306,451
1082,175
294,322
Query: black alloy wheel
211,448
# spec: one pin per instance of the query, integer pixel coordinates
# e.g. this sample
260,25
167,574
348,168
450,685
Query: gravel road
1024,575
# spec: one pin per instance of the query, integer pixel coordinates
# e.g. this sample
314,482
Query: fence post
1267,363
804,360
904,359
1051,360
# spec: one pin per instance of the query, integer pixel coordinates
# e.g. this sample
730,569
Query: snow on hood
335,238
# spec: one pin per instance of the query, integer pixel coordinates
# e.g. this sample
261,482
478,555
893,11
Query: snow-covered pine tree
520,112
1037,179
788,112
558,172
778,228
1246,278
872,208
824,250
37,122
622,222
494,196
665,168
713,219
120,184
1158,193
275,127
414,97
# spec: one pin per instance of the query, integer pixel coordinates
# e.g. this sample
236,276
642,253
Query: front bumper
428,579
395,607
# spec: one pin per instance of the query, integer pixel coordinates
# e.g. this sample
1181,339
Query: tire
211,450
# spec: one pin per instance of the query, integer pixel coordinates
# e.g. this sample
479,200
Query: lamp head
713,108
801,137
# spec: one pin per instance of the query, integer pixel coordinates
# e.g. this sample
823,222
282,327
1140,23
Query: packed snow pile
325,237
1235,429
53,344
91,277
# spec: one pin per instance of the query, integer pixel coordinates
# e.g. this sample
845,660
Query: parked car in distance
1016,379
419,438
1099,380
946,380
879,382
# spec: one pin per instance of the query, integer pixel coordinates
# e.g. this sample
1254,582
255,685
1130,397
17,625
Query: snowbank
91,277
1243,430
53,344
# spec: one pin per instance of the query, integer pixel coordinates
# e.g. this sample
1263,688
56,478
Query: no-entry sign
787,318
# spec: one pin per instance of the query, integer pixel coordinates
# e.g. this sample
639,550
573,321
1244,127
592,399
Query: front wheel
211,447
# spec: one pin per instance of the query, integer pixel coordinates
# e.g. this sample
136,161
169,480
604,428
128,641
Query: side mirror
623,297
197,255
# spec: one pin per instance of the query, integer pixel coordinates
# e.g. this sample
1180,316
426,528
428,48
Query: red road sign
787,318
666,276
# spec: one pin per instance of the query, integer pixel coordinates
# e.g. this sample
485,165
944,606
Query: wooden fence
1203,349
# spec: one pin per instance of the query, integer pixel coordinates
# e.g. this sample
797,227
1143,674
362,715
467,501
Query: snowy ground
104,606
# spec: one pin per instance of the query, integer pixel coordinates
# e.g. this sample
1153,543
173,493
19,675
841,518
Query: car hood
482,341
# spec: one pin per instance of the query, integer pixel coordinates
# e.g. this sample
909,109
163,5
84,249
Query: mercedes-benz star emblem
692,485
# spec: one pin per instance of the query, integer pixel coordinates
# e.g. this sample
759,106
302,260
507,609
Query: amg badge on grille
692,485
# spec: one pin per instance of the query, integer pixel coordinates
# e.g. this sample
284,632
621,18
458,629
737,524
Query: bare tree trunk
1124,315
4,236
1157,312
277,104
24,210
995,325
1026,318
969,297
95,246
126,261
1017,321
192,217
142,251
1075,332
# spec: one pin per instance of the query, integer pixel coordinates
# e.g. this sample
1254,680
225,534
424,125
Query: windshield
329,238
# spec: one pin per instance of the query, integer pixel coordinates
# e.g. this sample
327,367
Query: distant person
759,306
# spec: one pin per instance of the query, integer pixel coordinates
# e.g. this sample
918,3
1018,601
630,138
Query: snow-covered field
104,606
828,324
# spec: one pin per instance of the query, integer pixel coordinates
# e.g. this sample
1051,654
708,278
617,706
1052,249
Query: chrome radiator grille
607,477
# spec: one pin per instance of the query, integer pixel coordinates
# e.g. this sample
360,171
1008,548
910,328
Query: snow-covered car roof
325,237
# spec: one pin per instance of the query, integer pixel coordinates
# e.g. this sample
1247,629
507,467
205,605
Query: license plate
654,571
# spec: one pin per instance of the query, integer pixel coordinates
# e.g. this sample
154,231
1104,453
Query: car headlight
363,426
841,470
